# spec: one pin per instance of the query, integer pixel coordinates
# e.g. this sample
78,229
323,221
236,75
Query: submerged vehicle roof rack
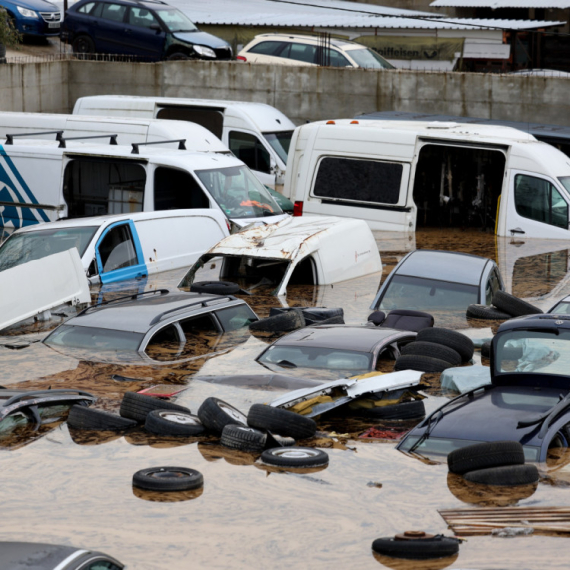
159,317
62,141
181,144
10,138
124,298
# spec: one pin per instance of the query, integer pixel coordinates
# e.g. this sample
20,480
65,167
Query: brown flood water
75,488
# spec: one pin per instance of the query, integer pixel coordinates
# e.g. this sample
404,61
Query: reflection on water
402,564
167,497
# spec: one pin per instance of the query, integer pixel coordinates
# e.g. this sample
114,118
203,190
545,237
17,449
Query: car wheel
419,549
486,312
216,414
513,305
485,455
215,287
404,411
294,457
421,363
283,322
81,417
453,339
168,479
281,421
243,438
434,350
171,422
505,476
137,406
83,45
177,56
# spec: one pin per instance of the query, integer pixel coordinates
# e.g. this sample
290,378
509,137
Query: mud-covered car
527,401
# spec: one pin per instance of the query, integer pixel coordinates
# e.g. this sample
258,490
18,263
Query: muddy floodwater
69,487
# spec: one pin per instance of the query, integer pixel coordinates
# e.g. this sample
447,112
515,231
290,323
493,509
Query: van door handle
517,231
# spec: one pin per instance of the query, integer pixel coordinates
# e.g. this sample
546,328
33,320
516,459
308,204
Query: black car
150,30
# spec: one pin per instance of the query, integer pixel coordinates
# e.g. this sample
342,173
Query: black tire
513,305
168,479
169,422
81,417
294,457
281,421
421,363
453,339
215,287
283,322
421,549
178,56
137,406
216,414
486,312
83,45
505,476
433,350
243,438
404,411
485,455
486,349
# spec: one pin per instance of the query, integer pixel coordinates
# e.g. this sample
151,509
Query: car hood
200,38
39,5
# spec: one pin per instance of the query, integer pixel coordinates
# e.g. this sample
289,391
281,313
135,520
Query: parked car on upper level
294,49
34,17
149,29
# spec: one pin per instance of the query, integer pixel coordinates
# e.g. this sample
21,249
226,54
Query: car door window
537,199
301,52
141,17
234,318
493,285
101,565
249,149
117,249
86,8
267,48
336,59
202,334
176,189
96,12
114,12
165,345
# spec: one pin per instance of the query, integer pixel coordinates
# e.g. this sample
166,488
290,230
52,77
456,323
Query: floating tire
487,312
215,287
453,339
513,305
433,350
168,479
81,417
505,476
216,414
172,422
420,549
282,422
421,363
243,438
403,411
282,322
295,457
484,456
137,406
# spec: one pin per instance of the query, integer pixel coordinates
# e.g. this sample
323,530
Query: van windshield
238,192
175,20
28,246
280,143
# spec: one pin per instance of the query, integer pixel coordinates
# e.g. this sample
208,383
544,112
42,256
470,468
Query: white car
292,49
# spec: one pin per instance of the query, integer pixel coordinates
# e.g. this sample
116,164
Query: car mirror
156,28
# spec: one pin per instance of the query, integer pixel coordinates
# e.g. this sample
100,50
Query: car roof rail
38,393
10,138
62,140
220,299
181,144
149,1
124,298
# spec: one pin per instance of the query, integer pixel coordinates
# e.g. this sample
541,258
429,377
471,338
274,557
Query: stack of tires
434,350
499,463
505,306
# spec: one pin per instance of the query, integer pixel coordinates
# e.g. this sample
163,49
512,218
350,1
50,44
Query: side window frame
259,150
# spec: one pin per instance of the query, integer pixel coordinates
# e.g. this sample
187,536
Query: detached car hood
200,38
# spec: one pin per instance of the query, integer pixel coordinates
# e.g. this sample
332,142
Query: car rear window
94,338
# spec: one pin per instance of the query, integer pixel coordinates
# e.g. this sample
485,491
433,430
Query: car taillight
241,58
298,208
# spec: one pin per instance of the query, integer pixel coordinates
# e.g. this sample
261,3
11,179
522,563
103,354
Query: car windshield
280,143
369,58
238,192
27,246
421,294
526,351
94,339
175,20
316,357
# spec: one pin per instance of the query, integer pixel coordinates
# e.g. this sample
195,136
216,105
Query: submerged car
527,401
439,280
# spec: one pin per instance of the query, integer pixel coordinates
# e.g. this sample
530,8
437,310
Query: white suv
291,49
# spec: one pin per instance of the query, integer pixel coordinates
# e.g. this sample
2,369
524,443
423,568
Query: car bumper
37,27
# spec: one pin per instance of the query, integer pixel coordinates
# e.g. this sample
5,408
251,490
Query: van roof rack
62,140
10,138
181,144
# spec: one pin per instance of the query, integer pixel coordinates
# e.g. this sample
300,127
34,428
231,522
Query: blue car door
109,33
140,39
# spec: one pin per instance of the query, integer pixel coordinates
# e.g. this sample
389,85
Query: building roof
497,4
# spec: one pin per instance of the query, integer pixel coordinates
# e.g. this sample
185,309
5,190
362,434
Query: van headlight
205,51
27,13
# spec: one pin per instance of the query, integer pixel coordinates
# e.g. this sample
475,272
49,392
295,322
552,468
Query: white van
399,175
40,181
258,134
118,247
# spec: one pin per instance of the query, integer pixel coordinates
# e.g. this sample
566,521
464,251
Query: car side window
302,52
86,8
249,149
96,12
101,565
114,12
197,325
141,17
493,285
117,249
267,48
538,199
176,189
234,318
336,59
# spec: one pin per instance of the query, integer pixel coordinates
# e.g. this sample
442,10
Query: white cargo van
41,181
258,134
399,175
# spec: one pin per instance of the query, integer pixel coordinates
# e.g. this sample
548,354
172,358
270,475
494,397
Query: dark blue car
528,399
150,30
34,17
